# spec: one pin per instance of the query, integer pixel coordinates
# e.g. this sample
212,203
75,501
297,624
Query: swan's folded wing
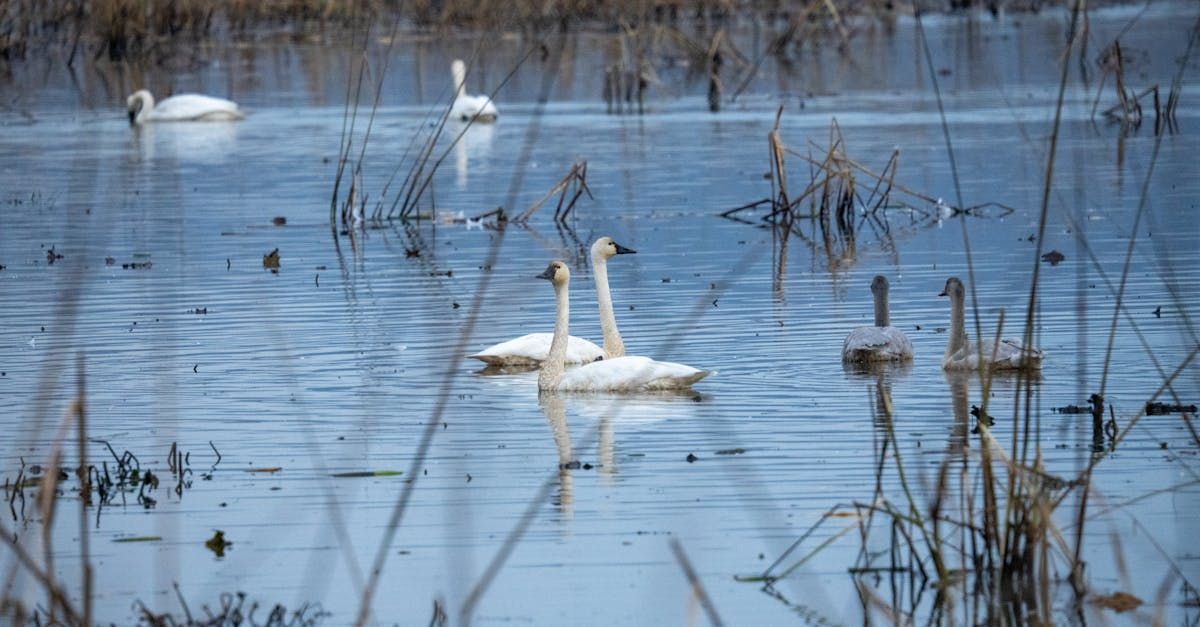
1009,354
876,344
533,348
195,107
631,373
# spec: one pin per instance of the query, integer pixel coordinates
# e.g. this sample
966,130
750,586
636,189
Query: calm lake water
338,362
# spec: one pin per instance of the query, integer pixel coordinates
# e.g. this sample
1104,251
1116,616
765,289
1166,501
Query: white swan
180,108
961,355
881,342
466,106
532,349
619,374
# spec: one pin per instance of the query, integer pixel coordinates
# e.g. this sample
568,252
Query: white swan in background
881,342
619,374
180,108
961,355
532,349
466,106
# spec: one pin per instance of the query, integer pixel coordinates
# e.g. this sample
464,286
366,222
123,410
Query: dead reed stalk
573,184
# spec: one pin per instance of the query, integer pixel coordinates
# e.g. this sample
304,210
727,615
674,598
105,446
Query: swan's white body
467,107
962,355
533,348
180,108
881,342
619,374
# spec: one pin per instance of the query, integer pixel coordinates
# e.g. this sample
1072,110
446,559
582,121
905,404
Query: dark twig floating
1159,409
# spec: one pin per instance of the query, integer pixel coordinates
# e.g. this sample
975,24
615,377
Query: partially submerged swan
532,349
881,342
961,355
619,374
180,108
467,107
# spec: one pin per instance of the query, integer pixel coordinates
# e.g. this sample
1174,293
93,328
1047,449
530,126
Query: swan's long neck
459,72
147,100
555,364
881,308
613,345
958,326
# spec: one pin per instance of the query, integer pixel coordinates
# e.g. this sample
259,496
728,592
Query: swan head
879,285
954,289
557,273
137,102
605,248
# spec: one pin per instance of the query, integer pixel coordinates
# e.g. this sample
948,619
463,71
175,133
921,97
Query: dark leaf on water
1053,257
217,544
271,261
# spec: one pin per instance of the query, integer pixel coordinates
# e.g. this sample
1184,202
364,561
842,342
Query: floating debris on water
271,261
279,221
1159,409
368,473
217,544
1053,257
1118,602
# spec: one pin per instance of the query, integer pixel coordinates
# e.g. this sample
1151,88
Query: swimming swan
619,374
532,349
466,106
960,355
180,108
881,342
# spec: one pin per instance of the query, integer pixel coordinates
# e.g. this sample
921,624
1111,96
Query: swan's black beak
943,293
621,250
132,117
548,274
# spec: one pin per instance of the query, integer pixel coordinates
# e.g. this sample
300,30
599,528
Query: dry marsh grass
122,29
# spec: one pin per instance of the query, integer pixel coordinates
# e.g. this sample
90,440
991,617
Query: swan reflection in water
186,142
554,407
475,143
607,410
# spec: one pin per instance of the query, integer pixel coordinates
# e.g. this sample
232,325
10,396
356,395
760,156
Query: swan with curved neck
619,374
180,108
881,342
467,107
532,349
962,355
